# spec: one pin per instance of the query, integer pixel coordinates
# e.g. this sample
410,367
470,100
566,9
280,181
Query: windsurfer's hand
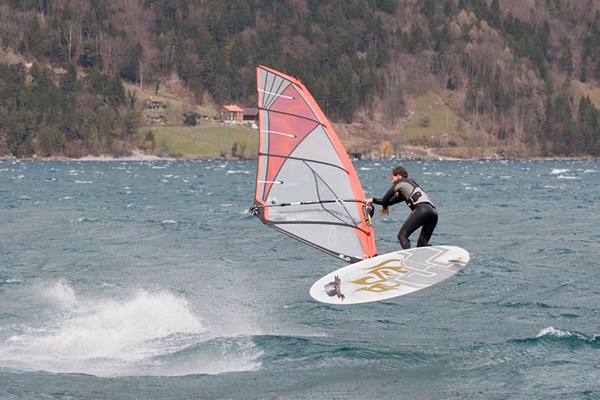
384,211
368,202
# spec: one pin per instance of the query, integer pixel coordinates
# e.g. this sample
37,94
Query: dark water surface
150,280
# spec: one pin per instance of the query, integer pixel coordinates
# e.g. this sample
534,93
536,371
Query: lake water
151,280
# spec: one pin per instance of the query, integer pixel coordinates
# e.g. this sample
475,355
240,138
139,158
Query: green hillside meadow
207,141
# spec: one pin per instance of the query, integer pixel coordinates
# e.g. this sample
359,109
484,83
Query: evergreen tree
35,39
131,124
131,67
495,14
44,93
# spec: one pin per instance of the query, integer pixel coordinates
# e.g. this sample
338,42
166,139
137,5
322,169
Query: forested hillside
523,74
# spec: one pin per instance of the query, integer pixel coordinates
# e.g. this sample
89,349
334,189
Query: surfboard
390,275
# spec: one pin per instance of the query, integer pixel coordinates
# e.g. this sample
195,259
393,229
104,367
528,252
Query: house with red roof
232,114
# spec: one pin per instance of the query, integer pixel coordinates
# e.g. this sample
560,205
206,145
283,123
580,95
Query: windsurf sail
306,185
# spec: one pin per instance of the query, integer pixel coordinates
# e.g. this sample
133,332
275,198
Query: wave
320,352
206,356
573,337
551,336
140,333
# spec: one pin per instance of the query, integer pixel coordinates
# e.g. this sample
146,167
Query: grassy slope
214,140
441,119
446,134
176,103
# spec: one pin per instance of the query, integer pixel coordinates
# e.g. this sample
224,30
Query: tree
52,141
190,120
88,56
392,95
385,148
131,124
566,59
19,126
495,14
165,47
44,93
150,138
131,66
35,39
416,39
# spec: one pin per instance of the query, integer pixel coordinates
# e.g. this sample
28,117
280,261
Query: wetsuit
423,215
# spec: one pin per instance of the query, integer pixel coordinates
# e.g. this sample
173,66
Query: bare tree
392,93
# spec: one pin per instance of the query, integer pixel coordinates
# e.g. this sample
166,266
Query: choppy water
151,280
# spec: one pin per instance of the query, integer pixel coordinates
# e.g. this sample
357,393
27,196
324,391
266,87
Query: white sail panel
306,185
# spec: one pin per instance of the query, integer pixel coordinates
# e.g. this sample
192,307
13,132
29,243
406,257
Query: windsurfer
423,213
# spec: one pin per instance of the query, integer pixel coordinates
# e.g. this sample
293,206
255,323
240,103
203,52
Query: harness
411,192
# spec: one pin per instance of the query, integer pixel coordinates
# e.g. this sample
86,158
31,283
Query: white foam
59,293
551,331
141,333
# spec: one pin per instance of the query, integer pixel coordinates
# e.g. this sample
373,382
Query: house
154,110
250,114
154,105
232,114
153,117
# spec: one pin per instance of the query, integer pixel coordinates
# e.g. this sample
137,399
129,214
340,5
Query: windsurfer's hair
399,170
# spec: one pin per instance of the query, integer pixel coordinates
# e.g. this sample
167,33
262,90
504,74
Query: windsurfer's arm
388,199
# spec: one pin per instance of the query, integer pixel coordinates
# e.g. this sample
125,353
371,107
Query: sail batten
280,133
306,185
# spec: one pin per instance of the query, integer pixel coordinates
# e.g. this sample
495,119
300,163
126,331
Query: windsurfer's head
399,170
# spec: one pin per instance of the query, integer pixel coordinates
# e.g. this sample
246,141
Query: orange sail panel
306,185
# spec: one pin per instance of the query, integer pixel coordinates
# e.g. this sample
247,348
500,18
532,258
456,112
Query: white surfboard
390,275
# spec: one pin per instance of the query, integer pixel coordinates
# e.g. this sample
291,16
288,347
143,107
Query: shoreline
138,155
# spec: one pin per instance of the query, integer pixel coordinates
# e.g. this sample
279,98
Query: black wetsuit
423,215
